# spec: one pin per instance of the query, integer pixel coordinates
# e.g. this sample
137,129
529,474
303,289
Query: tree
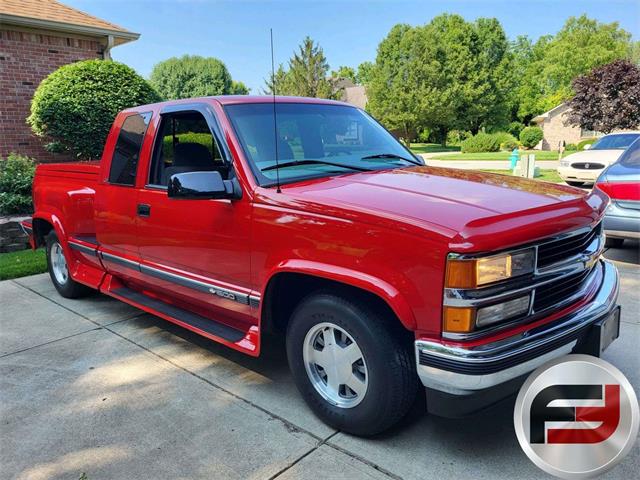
345,72
238,88
74,107
581,45
448,74
608,98
191,76
365,71
306,75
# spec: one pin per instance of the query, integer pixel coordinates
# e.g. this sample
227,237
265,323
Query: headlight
476,272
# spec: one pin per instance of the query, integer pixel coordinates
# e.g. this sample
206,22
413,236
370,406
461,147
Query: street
94,387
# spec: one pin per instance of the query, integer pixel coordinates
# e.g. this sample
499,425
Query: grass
22,263
540,155
545,175
419,148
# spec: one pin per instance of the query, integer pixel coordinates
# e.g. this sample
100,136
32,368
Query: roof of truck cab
243,99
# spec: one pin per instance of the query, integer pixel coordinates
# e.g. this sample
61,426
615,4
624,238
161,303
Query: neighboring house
555,131
352,93
36,37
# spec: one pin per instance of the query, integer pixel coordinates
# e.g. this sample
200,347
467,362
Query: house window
584,133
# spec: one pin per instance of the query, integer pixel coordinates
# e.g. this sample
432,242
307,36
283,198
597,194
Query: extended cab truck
382,273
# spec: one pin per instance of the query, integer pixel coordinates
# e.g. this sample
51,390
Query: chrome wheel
59,264
335,365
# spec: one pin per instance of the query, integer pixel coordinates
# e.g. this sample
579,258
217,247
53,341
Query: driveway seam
49,342
362,459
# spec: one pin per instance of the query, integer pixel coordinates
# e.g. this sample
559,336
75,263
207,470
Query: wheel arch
287,286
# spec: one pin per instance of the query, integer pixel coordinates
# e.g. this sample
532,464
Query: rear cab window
126,154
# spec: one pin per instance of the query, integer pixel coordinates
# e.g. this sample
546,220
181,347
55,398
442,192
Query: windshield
615,142
314,140
631,158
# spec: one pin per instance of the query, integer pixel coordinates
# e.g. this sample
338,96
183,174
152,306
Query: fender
387,292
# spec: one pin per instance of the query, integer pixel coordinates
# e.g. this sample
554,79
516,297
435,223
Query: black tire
613,242
386,349
575,184
68,288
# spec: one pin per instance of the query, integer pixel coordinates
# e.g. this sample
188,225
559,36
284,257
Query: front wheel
59,270
353,366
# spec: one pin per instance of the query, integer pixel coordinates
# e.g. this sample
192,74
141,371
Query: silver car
621,181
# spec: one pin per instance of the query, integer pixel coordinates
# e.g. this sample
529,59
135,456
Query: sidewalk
480,164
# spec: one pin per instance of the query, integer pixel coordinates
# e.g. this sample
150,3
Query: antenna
275,125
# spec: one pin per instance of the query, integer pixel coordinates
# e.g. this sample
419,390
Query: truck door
194,250
116,195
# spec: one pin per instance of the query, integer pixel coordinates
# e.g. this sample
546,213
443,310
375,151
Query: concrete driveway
94,389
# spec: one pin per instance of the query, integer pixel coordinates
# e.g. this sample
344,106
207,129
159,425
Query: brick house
36,37
555,131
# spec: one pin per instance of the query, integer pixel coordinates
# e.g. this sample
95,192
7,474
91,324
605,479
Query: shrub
531,136
16,178
588,141
506,141
481,142
515,128
456,137
571,147
75,105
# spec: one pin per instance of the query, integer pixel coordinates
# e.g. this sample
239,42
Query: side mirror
587,146
201,185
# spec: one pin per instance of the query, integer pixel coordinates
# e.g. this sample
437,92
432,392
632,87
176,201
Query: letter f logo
608,414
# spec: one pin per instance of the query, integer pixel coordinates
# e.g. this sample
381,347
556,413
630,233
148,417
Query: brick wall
25,59
555,131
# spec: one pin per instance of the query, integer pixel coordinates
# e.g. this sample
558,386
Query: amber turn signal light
461,274
458,320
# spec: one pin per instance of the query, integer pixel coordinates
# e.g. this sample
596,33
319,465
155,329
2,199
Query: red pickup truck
240,216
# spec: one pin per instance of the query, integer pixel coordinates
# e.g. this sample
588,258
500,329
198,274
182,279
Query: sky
349,31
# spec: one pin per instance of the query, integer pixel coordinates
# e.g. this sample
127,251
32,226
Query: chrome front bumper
462,371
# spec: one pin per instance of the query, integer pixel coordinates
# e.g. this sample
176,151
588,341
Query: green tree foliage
16,177
365,71
553,62
306,75
530,136
74,107
344,72
608,98
448,74
238,88
193,76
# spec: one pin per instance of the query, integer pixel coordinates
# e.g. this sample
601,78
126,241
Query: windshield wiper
313,162
392,155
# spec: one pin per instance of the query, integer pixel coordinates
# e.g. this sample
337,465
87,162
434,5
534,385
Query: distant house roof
550,113
55,16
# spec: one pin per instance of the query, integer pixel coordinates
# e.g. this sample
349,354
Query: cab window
184,144
124,163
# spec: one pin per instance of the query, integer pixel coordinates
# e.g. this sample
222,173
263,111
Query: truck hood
605,157
462,205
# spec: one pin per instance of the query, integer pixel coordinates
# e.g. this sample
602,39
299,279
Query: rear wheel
353,366
59,270
613,242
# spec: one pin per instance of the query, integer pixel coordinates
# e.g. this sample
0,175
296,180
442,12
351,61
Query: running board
190,319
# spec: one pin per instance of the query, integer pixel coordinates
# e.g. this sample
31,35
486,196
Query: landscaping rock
12,238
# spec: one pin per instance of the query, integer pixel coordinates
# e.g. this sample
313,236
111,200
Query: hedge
531,136
16,178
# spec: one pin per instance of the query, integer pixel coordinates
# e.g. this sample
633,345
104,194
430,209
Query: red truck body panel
387,232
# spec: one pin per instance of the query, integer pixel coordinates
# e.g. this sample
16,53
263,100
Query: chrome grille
559,292
564,248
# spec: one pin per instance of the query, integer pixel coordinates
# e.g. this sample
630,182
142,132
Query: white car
584,167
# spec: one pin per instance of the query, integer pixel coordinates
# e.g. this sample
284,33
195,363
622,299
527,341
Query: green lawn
22,263
545,175
540,155
419,148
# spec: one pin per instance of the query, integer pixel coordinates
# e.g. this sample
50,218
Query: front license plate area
609,329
